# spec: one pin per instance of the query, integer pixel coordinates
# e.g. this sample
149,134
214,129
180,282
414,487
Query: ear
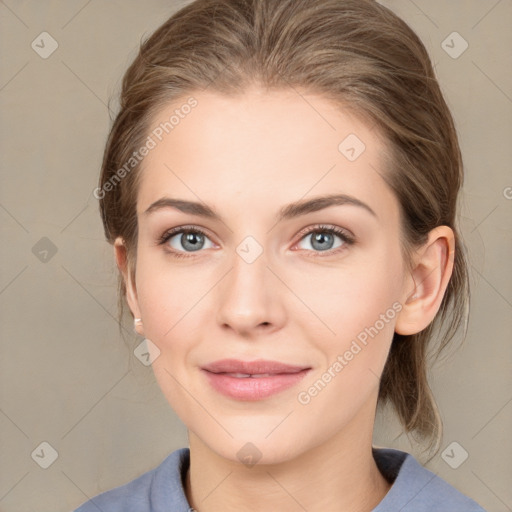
425,287
124,266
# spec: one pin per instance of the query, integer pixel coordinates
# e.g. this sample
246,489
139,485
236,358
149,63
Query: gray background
69,379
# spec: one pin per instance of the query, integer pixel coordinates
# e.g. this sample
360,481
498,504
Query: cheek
176,306
170,304
358,308
342,301
361,315
168,296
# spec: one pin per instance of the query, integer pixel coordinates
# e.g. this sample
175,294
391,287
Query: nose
249,298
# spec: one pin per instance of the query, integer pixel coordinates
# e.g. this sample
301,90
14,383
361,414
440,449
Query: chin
256,449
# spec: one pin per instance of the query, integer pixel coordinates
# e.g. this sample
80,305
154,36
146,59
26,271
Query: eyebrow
287,212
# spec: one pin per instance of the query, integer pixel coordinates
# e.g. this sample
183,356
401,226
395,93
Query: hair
359,55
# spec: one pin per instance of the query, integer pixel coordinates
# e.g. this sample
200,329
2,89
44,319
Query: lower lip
250,388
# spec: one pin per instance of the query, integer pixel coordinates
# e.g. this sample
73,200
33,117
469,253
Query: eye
191,239
324,243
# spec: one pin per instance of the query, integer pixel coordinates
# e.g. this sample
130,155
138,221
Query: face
260,281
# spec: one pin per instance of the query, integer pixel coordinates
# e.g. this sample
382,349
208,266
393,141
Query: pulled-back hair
356,53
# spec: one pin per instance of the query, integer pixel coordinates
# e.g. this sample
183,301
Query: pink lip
251,367
282,376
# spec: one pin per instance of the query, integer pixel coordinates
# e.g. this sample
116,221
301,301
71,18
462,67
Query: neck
340,474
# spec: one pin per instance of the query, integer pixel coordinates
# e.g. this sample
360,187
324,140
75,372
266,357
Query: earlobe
428,282
123,264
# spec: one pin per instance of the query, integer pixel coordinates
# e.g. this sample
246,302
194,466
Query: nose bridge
246,298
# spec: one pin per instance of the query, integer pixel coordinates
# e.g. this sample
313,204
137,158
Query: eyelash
345,237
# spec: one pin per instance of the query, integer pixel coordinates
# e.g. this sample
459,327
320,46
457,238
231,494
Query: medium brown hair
357,53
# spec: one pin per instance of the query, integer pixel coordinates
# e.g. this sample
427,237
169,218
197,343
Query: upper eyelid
325,227
192,227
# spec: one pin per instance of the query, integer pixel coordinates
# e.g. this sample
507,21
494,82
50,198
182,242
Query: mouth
250,368
253,380
246,375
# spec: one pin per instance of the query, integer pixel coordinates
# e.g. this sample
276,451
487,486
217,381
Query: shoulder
415,488
151,492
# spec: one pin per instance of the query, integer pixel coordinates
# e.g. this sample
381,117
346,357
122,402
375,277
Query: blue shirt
414,489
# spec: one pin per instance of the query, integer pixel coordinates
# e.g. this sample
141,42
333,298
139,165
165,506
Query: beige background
68,378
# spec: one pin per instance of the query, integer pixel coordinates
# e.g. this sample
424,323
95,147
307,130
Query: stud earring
136,323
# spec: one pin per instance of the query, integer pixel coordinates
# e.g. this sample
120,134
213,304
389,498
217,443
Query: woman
252,133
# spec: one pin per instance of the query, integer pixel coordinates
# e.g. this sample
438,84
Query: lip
252,367
281,376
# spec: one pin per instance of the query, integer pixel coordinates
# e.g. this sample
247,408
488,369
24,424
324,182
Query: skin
247,157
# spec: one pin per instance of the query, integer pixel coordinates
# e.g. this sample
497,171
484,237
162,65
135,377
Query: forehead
258,146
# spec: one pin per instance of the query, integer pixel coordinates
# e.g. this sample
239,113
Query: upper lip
252,367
